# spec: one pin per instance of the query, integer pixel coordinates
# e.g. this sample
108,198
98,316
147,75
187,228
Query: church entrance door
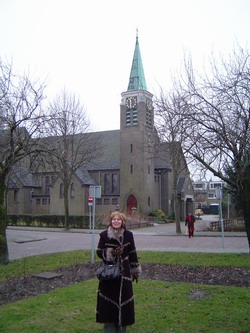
131,203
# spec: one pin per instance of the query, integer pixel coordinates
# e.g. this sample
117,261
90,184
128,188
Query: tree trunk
245,199
4,254
177,213
178,224
247,226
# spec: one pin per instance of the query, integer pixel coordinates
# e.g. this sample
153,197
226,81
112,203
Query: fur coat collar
116,234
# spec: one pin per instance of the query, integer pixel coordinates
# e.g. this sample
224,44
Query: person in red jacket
189,222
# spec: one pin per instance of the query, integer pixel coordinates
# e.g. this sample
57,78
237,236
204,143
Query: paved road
24,241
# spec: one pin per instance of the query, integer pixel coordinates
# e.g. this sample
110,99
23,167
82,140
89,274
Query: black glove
118,251
135,277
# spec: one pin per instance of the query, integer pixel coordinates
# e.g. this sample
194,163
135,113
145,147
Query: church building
132,171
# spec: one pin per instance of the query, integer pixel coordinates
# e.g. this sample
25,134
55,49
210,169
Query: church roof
162,156
110,157
137,79
21,177
110,146
85,177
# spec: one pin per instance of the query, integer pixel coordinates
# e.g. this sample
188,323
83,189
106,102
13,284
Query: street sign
95,191
90,201
218,193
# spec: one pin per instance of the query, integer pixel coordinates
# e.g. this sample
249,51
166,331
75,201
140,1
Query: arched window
72,190
61,190
16,195
47,184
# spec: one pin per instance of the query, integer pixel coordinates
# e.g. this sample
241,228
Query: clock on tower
131,102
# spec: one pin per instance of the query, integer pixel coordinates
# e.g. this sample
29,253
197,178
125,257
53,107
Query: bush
159,214
49,221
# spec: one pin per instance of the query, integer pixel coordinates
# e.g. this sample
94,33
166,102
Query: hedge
49,221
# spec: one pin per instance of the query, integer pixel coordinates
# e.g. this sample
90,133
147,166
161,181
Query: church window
131,148
111,183
114,201
98,201
131,168
72,190
107,182
149,118
114,183
47,184
131,117
157,178
15,195
128,120
61,190
135,117
149,169
106,201
148,201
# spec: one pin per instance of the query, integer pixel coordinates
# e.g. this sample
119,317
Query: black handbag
107,271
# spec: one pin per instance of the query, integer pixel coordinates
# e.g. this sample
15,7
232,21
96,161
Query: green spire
137,80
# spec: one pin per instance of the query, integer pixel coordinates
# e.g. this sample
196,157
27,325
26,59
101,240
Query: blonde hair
121,215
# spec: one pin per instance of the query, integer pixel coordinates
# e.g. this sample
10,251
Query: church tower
136,135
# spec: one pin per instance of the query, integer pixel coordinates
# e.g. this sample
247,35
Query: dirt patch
16,289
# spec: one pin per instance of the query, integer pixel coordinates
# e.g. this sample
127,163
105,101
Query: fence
236,224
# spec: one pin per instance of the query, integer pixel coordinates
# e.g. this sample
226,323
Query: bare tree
21,120
70,144
169,123
215,111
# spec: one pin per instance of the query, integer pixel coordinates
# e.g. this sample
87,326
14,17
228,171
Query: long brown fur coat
115,298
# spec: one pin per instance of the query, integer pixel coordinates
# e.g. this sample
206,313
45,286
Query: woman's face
116,222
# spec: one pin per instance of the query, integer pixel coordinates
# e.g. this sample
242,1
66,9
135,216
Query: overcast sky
86,46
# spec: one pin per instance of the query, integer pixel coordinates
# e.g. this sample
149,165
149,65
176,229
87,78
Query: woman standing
115,299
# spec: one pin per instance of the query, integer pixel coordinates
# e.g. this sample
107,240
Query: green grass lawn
161,307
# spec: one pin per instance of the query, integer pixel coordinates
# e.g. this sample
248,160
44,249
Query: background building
205,195
132,173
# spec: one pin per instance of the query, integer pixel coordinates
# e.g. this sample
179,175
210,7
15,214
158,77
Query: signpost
90,204
94,192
